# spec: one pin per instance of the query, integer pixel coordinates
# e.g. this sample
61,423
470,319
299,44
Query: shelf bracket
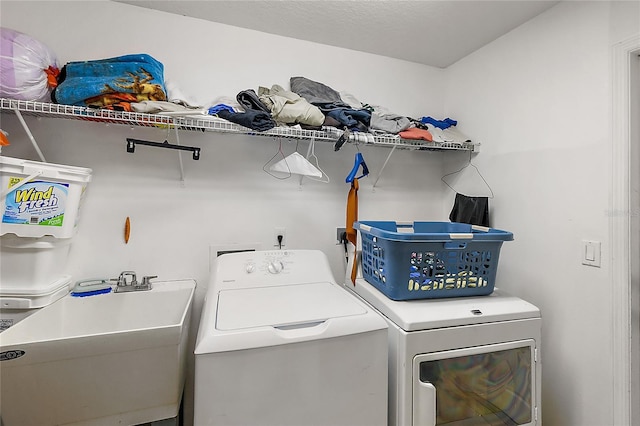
175,129
384,165
29,134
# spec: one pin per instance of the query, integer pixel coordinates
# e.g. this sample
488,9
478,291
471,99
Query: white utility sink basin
108,359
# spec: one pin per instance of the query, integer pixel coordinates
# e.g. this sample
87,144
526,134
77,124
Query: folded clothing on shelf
252,119
417,134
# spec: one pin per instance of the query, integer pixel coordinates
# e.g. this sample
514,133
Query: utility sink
107,359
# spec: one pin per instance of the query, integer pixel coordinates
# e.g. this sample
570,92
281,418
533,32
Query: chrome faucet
127,281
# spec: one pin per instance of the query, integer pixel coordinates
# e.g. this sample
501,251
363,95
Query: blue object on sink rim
91,287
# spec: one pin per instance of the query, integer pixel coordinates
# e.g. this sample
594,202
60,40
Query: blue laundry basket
428,260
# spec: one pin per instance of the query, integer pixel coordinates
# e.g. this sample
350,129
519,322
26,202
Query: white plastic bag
28,68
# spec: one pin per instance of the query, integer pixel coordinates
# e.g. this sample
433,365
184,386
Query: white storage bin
28,263
38,199
16,304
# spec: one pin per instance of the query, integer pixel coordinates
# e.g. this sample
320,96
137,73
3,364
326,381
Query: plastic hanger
469,163
342,139
359,161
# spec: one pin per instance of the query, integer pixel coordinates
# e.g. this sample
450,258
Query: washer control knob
250,268
275,267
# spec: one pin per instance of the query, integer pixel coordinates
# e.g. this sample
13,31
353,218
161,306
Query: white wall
539,99
227,197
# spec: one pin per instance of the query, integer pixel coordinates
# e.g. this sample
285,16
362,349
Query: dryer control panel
269,268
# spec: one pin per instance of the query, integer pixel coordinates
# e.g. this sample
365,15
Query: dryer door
483,385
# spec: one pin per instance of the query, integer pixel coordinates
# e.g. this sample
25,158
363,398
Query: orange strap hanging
352,216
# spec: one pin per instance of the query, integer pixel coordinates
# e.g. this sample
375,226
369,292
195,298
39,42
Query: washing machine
281,343
461,361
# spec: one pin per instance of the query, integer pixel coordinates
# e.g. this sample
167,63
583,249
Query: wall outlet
279,231
339,232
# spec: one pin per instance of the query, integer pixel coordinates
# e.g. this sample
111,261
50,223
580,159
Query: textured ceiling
430,32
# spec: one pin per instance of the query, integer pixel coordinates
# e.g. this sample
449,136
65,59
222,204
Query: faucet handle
146,280
122,279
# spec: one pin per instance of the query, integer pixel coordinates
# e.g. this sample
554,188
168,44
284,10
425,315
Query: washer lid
282,306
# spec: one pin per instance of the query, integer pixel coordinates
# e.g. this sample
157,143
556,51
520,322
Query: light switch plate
591,253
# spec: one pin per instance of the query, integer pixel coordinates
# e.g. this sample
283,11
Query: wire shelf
210,124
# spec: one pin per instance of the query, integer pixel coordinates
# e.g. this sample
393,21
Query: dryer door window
486,385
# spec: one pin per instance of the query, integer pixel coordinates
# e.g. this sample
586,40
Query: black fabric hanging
471,210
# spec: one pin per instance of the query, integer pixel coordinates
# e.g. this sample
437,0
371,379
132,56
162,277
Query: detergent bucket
40,199
17,303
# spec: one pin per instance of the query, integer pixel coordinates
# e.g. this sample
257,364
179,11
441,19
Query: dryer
461,361
281,343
